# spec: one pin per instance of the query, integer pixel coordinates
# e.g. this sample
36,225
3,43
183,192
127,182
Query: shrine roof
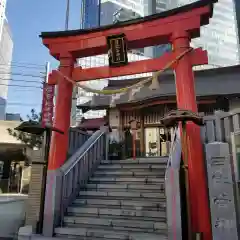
165,14
114,84
211,82
94,123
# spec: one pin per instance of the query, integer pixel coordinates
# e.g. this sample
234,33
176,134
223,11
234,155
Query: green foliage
30,140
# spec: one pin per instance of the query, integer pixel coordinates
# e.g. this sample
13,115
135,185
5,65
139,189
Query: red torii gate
178,27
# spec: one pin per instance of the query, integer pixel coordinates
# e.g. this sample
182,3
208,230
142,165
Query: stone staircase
124,200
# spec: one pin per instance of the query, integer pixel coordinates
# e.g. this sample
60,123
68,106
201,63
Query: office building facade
124,10
6,50
109,13
220,38
90,14
237,10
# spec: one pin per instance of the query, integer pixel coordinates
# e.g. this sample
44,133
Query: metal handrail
77,170
84,152
77,138
76,156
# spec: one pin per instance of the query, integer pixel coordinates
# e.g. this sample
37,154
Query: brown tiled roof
114,84
94,123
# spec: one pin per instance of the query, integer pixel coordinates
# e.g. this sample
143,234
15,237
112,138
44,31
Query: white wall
6,50
5,137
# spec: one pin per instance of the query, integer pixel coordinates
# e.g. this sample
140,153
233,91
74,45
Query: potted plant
115,150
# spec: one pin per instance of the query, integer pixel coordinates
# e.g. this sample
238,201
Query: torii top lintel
159,27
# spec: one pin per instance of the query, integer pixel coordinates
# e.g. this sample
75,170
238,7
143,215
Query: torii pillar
178,27
186,99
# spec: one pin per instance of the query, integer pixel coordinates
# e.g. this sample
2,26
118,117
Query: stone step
127,187
147,170
61,237
123,204
132,166
91,233
124,200
123,173
122,194
160,160
115,228
122,224
110,212
135,180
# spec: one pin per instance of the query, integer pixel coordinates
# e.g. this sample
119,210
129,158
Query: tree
30,140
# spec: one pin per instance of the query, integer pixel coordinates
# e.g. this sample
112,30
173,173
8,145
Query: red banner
47,105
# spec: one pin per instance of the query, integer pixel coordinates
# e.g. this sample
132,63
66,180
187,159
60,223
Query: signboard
47,105
221,193
117,50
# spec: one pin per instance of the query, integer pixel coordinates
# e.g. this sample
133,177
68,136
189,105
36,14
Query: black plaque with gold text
117,50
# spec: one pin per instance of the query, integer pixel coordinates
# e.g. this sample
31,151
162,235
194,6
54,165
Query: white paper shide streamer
115,97
133,92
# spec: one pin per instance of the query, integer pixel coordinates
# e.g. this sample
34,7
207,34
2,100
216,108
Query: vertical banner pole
47,102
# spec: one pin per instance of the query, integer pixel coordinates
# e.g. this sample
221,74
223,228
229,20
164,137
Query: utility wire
27,64
20,80
22,104
21,74
21,66
26,90
21,86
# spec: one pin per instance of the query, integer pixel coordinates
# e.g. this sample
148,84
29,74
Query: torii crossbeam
178,27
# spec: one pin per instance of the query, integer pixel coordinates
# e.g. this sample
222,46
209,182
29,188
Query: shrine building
216,89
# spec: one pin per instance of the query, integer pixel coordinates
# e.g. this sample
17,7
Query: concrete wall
12,212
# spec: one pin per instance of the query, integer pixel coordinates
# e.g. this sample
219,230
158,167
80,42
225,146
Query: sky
27,19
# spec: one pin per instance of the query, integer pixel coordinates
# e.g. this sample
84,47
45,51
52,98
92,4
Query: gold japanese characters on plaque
117,50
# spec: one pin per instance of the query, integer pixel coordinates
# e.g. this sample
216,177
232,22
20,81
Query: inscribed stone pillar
35,189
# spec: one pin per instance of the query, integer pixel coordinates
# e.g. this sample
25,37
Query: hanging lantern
155,83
